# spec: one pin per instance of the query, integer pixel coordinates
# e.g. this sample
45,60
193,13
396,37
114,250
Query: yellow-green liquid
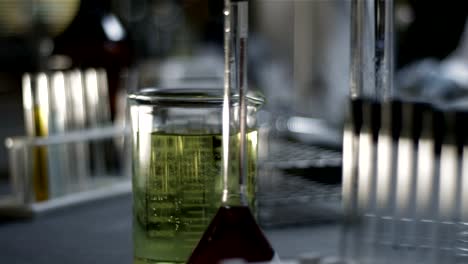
177,184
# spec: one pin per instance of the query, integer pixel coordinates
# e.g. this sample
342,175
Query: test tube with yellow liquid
36,105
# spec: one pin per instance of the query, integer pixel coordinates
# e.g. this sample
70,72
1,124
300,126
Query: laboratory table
100,232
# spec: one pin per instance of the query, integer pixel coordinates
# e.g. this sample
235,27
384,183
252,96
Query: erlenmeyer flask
233,232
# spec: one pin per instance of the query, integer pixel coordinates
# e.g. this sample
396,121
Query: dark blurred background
428,28
174,42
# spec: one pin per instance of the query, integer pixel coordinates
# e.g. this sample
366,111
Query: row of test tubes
405,183
59,103
405,172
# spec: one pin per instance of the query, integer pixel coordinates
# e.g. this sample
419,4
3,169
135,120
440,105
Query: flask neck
235,196
236,33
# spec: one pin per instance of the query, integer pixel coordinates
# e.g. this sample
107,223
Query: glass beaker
177,167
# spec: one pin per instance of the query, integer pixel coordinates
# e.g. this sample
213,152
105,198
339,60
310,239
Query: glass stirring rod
233,233
238,39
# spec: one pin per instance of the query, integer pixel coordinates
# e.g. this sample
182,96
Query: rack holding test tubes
404,159
72,151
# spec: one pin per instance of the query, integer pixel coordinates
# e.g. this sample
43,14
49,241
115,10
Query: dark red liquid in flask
233,233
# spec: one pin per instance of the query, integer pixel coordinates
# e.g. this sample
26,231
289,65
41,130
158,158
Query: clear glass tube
235,78
372,63
368,148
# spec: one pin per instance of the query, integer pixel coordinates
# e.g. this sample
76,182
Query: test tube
372,37
28,104
369,148
79,117
60,169
42,167
94,119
